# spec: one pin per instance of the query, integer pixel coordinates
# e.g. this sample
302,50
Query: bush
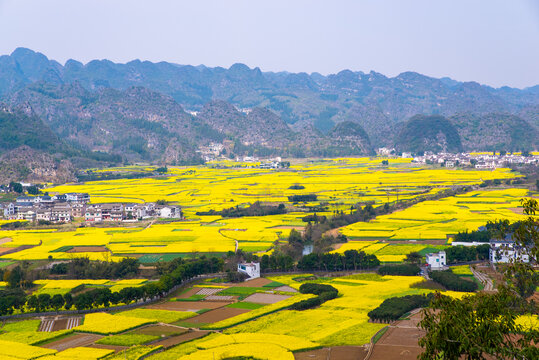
393,308
452,281
403,269
324,292
297,187
302,198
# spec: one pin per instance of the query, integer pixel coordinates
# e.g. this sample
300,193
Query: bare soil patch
79,249
289,227
334,353
188,305
175,340
4,249
384,352
73,341
258,282
265,298
188,293
59,325
286,288
401,337
159,330
4,240
216,315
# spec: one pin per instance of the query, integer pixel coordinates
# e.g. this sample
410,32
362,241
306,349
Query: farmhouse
436,261
506,251
251,269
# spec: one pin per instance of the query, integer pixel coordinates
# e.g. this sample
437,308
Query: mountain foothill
80,115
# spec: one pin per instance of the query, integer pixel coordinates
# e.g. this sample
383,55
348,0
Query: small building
169,212
81,198
505,251
251,269
436,261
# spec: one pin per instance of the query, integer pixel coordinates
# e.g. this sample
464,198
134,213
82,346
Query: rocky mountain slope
371,99
136,111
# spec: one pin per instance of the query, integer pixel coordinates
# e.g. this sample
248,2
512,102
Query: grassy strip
379,334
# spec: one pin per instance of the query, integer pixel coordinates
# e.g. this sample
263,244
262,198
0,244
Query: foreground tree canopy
485,324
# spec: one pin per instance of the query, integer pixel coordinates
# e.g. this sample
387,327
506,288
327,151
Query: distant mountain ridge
136,111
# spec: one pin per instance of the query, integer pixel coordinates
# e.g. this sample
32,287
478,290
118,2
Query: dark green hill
492,132
428,133
17,128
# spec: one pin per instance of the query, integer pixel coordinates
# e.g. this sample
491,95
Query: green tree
57,301
413,258
484,324
16,187
32,190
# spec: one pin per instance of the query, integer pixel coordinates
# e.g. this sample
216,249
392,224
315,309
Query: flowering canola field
433,220
338,184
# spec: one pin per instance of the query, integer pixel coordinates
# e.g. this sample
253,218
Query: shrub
403,269
452,281
324,292
393,308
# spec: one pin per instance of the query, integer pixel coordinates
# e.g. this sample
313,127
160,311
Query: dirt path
484,279
400,341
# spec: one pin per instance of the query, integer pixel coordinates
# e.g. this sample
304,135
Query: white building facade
251,269
436,261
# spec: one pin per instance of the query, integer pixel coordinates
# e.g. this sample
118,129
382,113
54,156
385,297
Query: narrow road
484,279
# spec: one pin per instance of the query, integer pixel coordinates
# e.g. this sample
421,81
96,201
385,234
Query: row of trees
83,268
15,299
401,269
456,254
393,308
452,281
349,260
256,209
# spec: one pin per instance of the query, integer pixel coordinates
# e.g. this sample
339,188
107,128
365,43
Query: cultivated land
338,185
213,319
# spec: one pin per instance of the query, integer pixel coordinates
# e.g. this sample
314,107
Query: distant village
216,151
475,160
64,208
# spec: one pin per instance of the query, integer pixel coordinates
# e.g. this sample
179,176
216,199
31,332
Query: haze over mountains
163,112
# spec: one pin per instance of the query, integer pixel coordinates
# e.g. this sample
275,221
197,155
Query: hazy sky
495,42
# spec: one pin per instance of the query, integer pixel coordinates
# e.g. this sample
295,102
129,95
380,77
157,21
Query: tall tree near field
485,324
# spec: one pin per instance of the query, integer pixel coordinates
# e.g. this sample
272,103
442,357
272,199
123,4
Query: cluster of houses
63,208
476,160
500,252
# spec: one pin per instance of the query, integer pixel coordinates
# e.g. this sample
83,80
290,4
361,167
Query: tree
33,190
484,324
16,187
413,258
57,301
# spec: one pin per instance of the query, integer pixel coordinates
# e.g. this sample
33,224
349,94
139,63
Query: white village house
251,269
436,261
505,251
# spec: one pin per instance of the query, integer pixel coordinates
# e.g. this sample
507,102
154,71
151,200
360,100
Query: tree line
452,281
15,299
256,209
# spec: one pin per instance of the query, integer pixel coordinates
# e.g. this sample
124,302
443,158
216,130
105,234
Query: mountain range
162,112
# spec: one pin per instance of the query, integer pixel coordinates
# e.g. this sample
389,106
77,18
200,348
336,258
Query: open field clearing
338,184
435,219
